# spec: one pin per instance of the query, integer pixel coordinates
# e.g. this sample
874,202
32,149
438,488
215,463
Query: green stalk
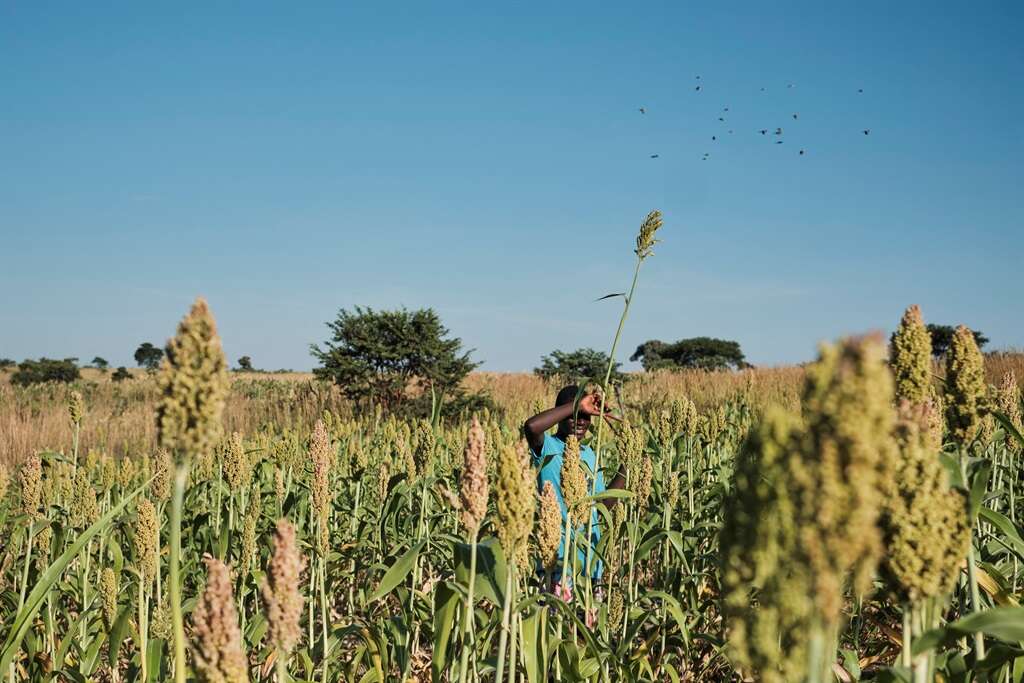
468,632
512,663
600,422
323,614
174,579
506,611
143,629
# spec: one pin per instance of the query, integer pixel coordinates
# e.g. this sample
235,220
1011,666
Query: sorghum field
854,519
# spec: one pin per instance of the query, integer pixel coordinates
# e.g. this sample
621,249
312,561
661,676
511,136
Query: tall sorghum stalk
645,242
76,408
193,383
217,651
473,495
282,600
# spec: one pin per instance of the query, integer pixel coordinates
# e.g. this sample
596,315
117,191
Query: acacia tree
148,356
700,353
942,337
379,356
245,363
574,366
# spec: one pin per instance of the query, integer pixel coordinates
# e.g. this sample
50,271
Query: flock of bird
777,133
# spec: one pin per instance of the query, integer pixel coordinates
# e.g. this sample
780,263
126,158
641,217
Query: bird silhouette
778,131
730,132
860,89
764,131
801,152
698,78
654,156
778,142
867,131
713,137
794,116
762,89
697,88
789,85
642,110
720,118
726,109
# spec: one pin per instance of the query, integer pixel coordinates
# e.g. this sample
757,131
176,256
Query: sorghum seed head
965,386
126,472
473,490
31,477
425,442
108,592
217,648
5,481
925,524
252,517
237,469
574,481
76,407
645,474
282,599
515,501
145,538
83,508
645,239
193,383
42,542
319,453
911,357
549,527
1008,403
160,487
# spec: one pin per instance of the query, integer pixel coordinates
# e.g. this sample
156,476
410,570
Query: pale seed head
31,478
645,239
515,501
473,489
108,594
76,407
574,482
217,646
145,539
282,599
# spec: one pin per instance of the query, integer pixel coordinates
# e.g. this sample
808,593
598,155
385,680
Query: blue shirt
549,462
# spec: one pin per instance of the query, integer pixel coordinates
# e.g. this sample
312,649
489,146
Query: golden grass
119,416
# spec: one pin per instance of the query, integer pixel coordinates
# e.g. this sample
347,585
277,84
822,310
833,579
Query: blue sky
289,159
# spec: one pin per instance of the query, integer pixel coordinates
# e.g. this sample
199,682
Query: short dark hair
567,395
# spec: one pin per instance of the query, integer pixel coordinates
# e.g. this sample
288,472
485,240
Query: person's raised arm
535,427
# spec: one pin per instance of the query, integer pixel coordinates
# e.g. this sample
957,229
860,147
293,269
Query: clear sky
489,159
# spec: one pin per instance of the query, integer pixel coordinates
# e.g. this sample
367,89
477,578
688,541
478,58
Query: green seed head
319,453
31,478
252,517
160,487
76,407
645,239
83,508
911,358
515,501
193,383
424,445
549,528
145,538
574,482
925,523
108,594
1008,403
237,468
43,540
965,386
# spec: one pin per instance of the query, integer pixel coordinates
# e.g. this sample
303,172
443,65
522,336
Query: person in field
547,449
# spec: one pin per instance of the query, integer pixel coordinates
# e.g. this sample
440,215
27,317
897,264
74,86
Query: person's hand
590,404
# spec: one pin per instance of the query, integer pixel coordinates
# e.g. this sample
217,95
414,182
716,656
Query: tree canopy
245,363
379,356
148,356
576,366
45,370
100,363
702,353
942,337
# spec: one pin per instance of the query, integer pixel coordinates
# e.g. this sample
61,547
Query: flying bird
778,131
789,85
642,110
697,88
867,131
720,118
794,116
654,156
801,152
764,131
778,142
860,89
713,137
726,109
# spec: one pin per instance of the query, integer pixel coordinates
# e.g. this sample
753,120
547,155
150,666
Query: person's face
577,426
